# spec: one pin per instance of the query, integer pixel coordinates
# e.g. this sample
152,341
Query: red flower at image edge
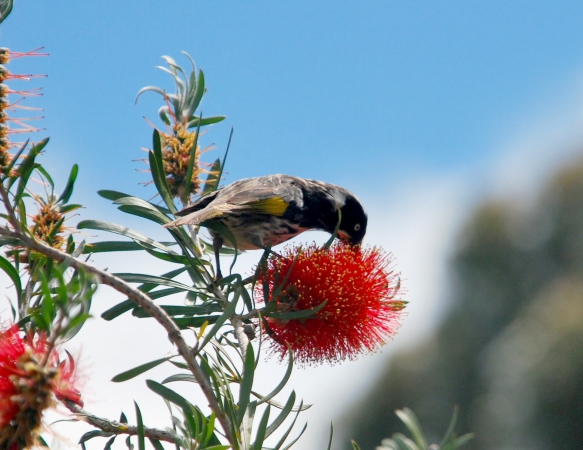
359,288
26,385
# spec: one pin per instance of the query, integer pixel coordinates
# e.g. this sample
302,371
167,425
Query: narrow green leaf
355,446
261,430
283,382
335,233
156,444
175,310
116,246
296,439
146,206
304,313
128,304
111,195
140,428
212,179
410,420
196,322
200,90
93,434
331,436
160,281
169,394
451,428
9,269
288,431
246,383
191,159
229,310
68,191
132,373
225,157
123,231
16,157
282,415
193,122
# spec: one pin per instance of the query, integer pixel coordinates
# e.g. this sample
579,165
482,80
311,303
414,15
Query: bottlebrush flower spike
358,287
31,376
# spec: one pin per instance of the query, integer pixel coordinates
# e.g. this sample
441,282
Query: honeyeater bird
265,211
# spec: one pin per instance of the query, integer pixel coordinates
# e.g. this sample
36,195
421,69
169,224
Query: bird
261,212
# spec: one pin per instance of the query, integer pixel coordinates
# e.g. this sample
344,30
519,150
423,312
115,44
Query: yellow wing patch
274,206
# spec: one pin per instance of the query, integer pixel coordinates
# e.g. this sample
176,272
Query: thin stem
112,426
142,300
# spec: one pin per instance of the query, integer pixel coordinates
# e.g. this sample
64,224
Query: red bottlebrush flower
359,289
31,375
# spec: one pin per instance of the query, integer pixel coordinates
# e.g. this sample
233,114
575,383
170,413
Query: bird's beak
343,235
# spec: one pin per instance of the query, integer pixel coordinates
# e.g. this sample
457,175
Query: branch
112,426
149,306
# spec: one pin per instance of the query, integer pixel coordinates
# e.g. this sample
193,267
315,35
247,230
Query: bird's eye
357,227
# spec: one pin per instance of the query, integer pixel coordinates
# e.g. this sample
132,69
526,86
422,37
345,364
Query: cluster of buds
31,378
177,149
329,305
48,223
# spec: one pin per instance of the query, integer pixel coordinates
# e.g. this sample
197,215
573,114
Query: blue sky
341,91
411,105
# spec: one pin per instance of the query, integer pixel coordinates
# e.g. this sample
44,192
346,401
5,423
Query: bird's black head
353,223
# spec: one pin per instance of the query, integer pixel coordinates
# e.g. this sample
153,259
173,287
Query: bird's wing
269,195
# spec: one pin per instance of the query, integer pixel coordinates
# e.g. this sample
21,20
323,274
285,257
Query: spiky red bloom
30,375
359,288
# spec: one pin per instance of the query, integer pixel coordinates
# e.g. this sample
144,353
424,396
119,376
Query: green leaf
25,169
212,179
283,382
355,446
93,434
331,436
9,269
152,279
229,310
116,246
66,195
169,395
282,415
450,429
410,420
140,428
246,384
200,90
190,169
261,430
112,195
175,310
156,444
194,121
196,322
142,208
124,231
132,373
158,175
225,157
296,439
335,233
128,304
304,313
180,377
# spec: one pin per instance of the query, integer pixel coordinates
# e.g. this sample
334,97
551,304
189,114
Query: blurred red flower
359,288
30,375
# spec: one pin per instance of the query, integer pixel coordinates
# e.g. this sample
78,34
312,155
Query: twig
112,426
149,306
